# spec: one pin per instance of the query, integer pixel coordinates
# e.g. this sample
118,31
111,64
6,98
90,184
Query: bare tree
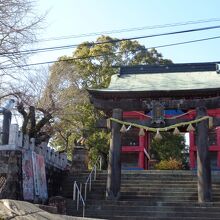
17,29
18,26
36,116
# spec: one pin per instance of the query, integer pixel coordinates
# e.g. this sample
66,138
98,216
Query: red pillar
192,158
141,160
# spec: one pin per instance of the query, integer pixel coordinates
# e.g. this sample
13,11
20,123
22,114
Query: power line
187,42
46,49
107,54
191,22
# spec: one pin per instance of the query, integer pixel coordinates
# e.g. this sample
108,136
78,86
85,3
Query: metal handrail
89,179
146,154
77,196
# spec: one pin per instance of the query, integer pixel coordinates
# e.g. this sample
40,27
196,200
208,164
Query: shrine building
175,80
148,99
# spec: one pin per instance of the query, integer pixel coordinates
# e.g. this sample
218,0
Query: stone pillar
114,164
6,126
203,159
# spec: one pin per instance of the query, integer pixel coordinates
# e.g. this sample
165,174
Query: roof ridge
169,68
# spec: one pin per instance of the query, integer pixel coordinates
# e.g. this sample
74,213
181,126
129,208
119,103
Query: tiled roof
165,81
196,79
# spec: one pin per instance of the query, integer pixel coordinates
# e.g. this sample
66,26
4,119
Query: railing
146,154
77,196
19,141
92,175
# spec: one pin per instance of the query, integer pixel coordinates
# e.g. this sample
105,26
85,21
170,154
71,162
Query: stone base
80,159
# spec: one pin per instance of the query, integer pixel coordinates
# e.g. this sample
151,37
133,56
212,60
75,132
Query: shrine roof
162,80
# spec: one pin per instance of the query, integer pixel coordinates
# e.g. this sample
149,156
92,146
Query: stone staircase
147,195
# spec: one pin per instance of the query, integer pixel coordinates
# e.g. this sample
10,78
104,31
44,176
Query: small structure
80,158
185,87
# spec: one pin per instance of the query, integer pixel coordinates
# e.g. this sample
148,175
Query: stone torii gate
176,86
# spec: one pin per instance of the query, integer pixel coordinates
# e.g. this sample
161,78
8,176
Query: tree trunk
32,132
203,159
114,164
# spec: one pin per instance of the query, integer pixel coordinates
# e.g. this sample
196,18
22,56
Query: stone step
155,183
174,198
70,181
152,208
156,193
199,213
143,190
178,172
150,176
165,180
160,195
145,172
157,189
142,182
143,178
154,214
181,180
164,198
151,198
151,189
121,210
153,186
148,214
147,184
138,217
164,172
158,218
151,203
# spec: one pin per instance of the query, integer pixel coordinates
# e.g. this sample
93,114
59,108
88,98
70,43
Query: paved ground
19,210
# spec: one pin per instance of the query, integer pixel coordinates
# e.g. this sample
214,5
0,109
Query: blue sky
73,17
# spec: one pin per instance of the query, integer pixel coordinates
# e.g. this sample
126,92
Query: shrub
170,146
171,164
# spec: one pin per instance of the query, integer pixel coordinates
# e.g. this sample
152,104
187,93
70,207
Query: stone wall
11,174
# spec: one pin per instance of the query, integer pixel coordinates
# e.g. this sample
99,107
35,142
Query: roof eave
107,94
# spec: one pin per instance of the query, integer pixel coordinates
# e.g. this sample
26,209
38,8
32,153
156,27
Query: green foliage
170,146
70,78
98,143
171,164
